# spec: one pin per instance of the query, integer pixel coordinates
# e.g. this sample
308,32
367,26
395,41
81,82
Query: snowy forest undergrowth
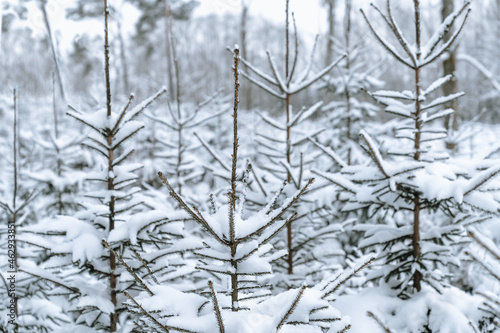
339,204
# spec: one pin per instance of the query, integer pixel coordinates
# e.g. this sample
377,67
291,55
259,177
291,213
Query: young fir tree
60,173
419,190
177,147
25,307
283,156
236,252
79,265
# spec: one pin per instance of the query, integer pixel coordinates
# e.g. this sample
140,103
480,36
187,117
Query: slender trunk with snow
288,148
113,317
417,277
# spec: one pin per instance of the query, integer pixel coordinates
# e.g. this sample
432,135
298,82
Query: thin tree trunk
417,277
113,317
449,67
168,41
243,50
331,31
123,60
348,70
14,205
289,232
232,193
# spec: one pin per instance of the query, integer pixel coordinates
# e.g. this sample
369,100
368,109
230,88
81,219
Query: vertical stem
288,140
172,60
14,203
109,137
243,49
331,31
232,194
168,41
348,73
56,133
106,59
417,277
123,59
14,145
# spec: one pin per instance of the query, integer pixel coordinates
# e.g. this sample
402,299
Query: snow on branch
390,48
443,29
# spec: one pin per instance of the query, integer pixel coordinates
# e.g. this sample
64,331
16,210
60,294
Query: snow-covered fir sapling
236,252
21,298
177,146
418,188
282,148
60,176
114,211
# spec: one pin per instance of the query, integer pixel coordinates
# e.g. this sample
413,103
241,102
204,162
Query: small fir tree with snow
417,186
284,154
79,266
236,252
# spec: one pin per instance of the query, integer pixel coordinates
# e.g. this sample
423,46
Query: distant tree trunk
52,47
497,21
331,31
1,25
123,60
168,40
243,50
449,67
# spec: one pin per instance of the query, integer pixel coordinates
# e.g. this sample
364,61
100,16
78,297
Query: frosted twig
447,45
378,321
292,307
153,319
484,246
389,48
138,279
182,203
122,114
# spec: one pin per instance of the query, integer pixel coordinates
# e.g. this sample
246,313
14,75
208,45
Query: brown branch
182,203
348,278
484,246
153,319
138,279
378,321
220,322
384,44
290,310
122,114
